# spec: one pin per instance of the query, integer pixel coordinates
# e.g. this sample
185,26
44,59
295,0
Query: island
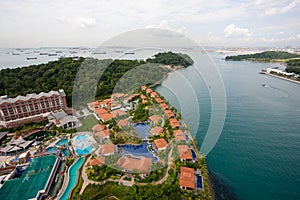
132,145
291,60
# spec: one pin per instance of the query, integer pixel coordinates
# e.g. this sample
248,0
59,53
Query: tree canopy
96,77
266,56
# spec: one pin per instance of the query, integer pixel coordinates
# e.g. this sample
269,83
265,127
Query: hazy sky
40,23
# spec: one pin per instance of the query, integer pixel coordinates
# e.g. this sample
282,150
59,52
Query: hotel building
30,108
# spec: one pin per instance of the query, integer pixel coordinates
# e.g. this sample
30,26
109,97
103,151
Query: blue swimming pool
138,150
62,141
51,149
73,175
65,152
186,137
84,151
83,144
81,137
142,129
199,182
193,154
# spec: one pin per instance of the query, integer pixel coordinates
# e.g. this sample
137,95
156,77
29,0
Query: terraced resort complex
128,145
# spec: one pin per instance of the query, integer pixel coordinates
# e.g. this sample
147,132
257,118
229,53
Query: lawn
87,123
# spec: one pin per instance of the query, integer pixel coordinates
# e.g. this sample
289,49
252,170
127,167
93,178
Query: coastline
280,77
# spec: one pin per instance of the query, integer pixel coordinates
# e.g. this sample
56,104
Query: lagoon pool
137,150
83,144
142,129
62,141
73,175
65,152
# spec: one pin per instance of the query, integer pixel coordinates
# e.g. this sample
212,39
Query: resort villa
108,149
184,153
187,178
160,144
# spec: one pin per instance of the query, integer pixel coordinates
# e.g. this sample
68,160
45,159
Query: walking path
86,181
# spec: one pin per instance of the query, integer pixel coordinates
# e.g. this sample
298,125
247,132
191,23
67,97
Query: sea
257,152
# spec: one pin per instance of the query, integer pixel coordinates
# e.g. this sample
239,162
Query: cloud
85,22
164,24
272,7
232,31
79,22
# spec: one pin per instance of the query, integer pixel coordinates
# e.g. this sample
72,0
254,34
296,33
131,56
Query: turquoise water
62,141
73,174
82,144
84,151
258,153
51,149
81,137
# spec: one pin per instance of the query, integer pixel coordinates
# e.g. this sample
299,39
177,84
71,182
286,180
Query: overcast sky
40,23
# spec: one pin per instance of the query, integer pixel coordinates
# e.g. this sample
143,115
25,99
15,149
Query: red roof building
179,135
184,153
97,161
187,178
160,144
123,122
108,149
156,130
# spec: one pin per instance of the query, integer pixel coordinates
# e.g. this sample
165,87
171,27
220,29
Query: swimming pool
138,150
199,182
142,129
62,141
73,175
83,144
193,154
81,137
65,152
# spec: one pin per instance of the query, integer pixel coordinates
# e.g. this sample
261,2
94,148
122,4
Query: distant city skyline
33,24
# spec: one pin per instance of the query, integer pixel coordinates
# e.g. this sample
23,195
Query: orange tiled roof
157,130
142,164
100,111
154,118
144,87
159,100
108,149
98,127
187,177
184,152
179,135
154,94
118,95
174,123
169,113
93,104
97,161
160,143
103,133
118,113
123,122
106,116
164,106
148,90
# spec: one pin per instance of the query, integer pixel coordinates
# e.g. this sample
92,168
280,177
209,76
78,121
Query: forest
87,78
264,56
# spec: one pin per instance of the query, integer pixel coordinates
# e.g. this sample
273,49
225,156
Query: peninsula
131,145
291,60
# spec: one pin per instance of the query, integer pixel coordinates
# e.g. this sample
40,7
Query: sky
57,23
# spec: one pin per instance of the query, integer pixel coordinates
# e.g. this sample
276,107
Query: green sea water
258,153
